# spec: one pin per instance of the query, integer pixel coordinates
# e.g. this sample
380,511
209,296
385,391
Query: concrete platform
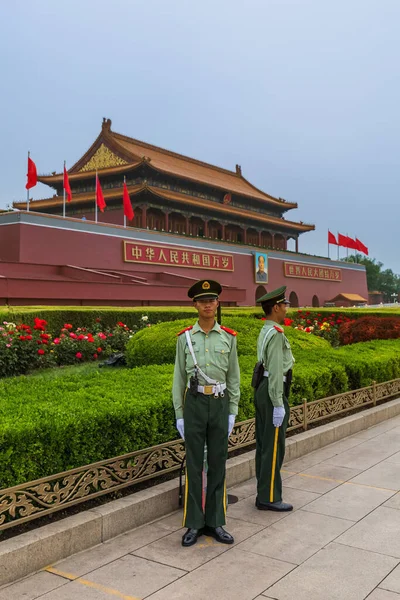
342,541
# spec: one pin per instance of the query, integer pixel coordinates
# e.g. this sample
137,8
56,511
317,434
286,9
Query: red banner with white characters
307,271
153,254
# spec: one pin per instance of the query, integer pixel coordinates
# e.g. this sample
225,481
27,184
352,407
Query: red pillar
187,225
273,240
205,228
166,221
259,238
297,244
245,235
223,232
144,217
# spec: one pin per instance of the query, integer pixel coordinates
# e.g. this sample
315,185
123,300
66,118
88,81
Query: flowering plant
24,348
323,325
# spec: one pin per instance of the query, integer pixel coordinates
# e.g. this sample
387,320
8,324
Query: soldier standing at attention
206,397
271,402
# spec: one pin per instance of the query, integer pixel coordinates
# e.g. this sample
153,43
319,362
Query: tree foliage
378,279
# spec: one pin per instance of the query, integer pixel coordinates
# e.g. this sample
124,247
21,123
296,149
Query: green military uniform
205,416
273,348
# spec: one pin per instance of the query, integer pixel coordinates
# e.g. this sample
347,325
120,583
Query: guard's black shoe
219,534
277,506
190,537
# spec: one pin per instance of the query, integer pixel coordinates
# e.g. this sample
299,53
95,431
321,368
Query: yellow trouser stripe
225,497
271,492
186,497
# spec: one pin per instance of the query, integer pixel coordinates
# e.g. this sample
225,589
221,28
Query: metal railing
41,497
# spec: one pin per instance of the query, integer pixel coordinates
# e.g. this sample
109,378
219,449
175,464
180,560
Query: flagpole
337,245
347,249
95,201
27,191
124,209
64,192
328,243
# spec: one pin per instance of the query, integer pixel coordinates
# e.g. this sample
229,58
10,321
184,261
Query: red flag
343,240
128,210
31,174
67,187
361,247
352,243
101,203
331,238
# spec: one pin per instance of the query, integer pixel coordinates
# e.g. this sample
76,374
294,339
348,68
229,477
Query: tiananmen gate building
191,220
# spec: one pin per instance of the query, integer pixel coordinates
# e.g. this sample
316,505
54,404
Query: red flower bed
369,328
24,349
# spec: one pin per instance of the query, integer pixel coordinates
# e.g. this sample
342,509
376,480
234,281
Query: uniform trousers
206,421
270,446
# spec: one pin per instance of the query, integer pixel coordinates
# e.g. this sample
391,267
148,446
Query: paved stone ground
342,542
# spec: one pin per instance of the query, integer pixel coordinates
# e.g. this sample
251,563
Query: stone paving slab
219,578
334,573
392,581
245,509
394,501
321,478
377,532
89,560
349,501
206,548
32,587
131,576
297,537
384,475
379,594
341,542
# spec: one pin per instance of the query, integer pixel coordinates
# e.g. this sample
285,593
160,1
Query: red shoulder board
231,331
186,329
278,328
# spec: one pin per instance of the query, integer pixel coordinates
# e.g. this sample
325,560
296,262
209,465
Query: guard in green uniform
206,397
271,402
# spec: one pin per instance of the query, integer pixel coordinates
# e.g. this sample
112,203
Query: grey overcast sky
303,94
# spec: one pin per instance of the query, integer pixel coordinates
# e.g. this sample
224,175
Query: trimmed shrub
157,344
369,328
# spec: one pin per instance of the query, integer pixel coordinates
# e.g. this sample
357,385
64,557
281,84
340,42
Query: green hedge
67,417
50,424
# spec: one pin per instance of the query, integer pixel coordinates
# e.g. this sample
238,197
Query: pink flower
102,336
78,355
8,345
73,336
40,351
57,340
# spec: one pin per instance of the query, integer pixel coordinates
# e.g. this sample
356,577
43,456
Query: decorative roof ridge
173,154
280,200
105,136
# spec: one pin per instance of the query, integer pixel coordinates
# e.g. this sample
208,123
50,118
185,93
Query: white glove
278,415
180,425
231,423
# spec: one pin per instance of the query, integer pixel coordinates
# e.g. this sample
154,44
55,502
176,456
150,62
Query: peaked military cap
205,289
275,297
